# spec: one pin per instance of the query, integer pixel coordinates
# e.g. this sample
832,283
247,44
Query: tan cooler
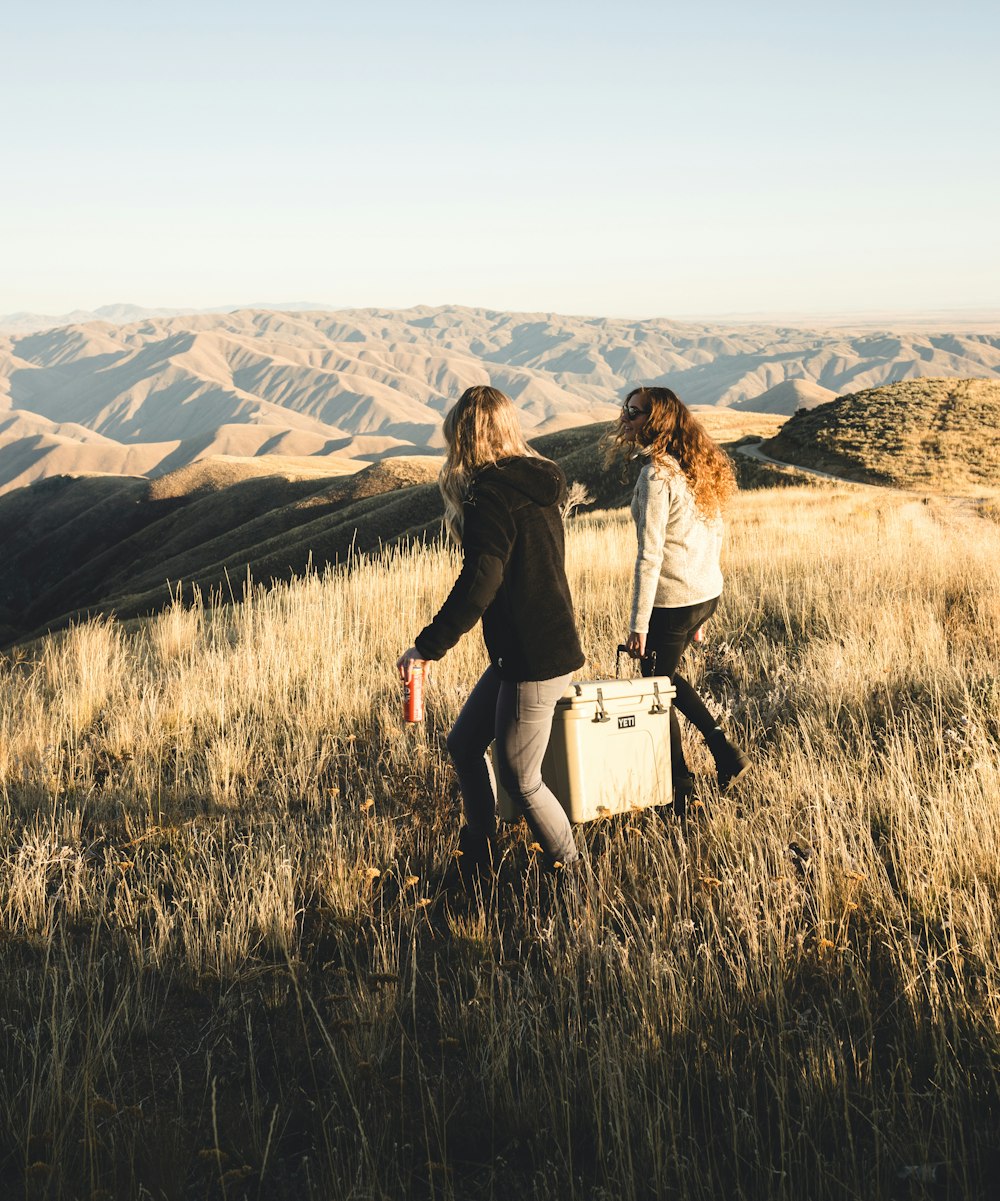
610,749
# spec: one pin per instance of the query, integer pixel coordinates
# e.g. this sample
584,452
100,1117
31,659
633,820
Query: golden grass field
228,971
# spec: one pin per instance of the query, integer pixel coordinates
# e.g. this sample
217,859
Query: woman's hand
635,644
405,662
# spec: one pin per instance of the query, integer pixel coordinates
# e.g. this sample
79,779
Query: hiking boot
731,763
683,788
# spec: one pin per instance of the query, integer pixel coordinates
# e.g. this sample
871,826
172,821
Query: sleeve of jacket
487,540
653,511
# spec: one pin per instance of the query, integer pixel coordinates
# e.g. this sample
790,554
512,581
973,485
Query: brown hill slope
788,397
932,434
71,545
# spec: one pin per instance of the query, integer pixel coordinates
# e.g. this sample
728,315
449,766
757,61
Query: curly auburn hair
672,431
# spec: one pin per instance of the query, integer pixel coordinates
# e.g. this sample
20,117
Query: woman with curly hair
677,506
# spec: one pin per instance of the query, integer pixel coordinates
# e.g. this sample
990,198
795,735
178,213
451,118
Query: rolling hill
788,397
933,434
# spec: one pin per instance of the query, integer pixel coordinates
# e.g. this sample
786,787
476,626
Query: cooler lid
585,692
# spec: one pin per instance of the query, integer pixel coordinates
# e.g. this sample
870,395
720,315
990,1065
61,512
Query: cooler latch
601,714
658,706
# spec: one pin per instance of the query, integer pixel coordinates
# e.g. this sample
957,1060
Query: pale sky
628,158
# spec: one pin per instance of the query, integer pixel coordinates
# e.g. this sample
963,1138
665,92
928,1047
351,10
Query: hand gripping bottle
413,694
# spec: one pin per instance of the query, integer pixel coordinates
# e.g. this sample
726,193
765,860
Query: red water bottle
413,693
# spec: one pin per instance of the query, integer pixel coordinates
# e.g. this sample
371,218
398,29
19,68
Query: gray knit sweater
678,559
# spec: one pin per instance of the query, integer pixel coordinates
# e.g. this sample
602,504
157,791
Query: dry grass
931,434
227,970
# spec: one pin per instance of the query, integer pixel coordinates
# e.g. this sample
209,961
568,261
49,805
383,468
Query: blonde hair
671,431
481,428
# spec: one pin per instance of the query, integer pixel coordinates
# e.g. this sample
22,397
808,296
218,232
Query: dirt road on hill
967,505
753,451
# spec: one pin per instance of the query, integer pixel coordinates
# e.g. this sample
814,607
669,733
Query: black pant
670,633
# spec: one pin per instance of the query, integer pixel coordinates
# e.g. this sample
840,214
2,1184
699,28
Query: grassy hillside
228,970
103,544
936,434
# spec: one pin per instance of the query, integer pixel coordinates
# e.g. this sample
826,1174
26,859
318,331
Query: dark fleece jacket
513,575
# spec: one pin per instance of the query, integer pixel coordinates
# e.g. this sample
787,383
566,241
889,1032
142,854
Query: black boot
683,790
731,763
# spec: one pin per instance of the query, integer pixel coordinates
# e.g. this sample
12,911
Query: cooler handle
622,649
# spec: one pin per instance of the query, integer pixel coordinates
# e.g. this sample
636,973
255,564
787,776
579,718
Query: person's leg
687,700
468,741
524,723
670,633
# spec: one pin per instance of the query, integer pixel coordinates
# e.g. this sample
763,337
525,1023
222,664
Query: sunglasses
630,411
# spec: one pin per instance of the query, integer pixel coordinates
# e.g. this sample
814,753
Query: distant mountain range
123,314
964,320
332,391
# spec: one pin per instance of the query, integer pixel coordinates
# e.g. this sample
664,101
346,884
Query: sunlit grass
228,971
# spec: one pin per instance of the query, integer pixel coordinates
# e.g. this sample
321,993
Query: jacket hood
540,480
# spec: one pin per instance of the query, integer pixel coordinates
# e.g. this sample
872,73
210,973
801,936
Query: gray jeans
518,717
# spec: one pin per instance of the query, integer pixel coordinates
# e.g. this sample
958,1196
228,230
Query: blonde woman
677,506
502,506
